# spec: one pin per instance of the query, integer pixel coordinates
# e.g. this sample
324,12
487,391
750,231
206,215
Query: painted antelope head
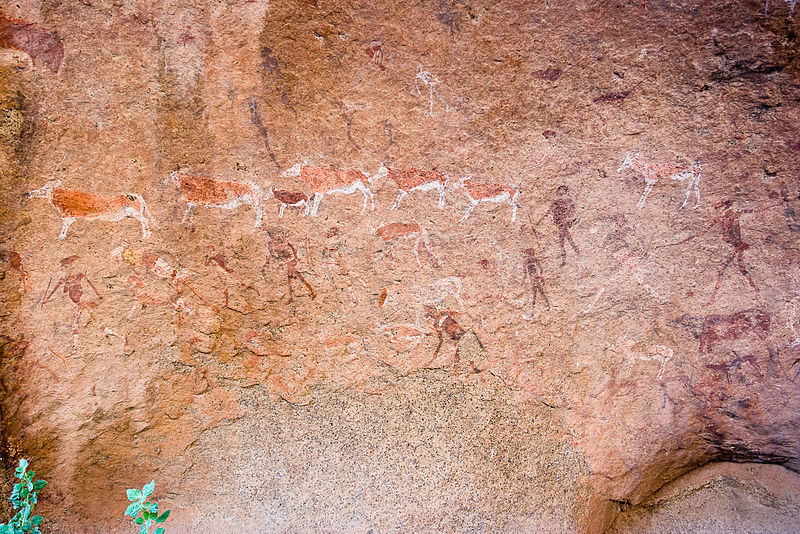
294,170
382,173
457,184
46,191
172,178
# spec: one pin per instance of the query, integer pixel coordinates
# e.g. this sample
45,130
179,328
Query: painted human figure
445,324
732,235
72,285
532,269
280,249
563,211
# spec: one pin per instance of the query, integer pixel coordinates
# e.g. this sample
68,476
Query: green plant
148,510
24,496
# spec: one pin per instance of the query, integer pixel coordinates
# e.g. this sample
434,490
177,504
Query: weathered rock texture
609,301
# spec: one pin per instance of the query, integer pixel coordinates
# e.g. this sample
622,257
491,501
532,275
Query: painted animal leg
719,277
400,196
440,188
646,192
65,224
315,207
307,206
697,190
144,222
471,208
688,192
283,208
367,193
259,214
513,209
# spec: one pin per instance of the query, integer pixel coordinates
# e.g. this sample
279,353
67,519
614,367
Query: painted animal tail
514,195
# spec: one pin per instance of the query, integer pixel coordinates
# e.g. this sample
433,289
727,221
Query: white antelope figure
325,181
409,180
652,173
497,193
210,193
73,205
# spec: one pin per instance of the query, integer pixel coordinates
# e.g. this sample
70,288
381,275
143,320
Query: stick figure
732,234
563,211
280,249
431,81
444,322
532,269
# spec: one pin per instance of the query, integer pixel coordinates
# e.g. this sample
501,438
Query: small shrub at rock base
145,512
24,496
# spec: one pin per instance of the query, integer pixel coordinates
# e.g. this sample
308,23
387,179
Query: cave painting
325,181
731,327
14,260
728,221
207,192
280,249
445,324
735,363
431,82
375,53
532,272
478,193
73,205
653,172
71,284
563,211
393,232
409,180
290,199
41,45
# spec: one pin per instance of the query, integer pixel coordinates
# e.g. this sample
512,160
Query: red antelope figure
411,231
497,193
652,173
327,181
291,199
210,193
414,180
73,205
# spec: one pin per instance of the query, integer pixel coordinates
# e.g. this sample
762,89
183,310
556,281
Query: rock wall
367,266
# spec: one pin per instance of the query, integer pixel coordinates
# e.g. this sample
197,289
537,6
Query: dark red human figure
732,234
72,284
563,212
532,269
14,260
444,323
280,249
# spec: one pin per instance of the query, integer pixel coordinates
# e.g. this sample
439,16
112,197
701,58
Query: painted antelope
652,173
414,180
480,192
410,231
73,205
291,200
207,192
327,181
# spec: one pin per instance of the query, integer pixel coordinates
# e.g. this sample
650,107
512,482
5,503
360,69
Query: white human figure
431,81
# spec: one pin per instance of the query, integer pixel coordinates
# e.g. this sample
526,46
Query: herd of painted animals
25,493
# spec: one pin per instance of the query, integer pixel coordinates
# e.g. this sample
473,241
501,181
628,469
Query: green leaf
148,488
163,517
39,484
139,520
36,520
159,530
154,509
133,509
133,494
23,463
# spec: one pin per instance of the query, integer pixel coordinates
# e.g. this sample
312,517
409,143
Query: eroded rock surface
368,266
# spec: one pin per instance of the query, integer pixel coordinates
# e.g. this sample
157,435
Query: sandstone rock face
367,266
